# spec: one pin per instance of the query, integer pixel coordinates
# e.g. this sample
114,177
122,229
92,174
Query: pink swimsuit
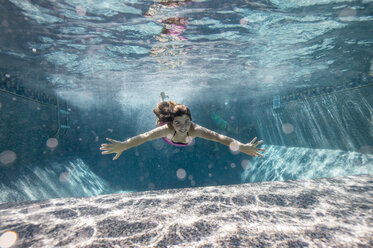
169,141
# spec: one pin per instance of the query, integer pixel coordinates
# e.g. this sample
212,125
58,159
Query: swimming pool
297,74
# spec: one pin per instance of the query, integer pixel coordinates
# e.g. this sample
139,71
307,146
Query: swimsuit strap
180,143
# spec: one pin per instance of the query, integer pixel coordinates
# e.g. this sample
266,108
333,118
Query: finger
111,140
261,149
116,156
259,142
106,152
260,155
252,142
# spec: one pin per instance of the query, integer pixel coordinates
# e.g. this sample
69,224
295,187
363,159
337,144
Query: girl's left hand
250,148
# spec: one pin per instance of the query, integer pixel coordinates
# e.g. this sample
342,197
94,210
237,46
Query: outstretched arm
119,146
249,148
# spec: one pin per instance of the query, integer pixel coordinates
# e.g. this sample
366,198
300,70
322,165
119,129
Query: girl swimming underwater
175,126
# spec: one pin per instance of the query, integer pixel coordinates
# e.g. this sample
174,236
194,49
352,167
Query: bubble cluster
7,157
52,143
287,128
181,174
8,239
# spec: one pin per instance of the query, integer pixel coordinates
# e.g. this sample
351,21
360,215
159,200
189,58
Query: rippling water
255,48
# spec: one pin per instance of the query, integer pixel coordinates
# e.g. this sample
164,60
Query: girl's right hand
113,147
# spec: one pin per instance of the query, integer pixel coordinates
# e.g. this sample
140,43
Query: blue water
297,74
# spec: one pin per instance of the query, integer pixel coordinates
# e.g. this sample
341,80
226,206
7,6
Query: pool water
297,74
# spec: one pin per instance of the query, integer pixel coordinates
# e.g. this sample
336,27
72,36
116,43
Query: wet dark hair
167,111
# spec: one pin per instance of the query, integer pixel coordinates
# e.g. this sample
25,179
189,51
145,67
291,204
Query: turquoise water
297,74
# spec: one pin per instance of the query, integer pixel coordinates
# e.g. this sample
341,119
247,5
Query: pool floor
319,212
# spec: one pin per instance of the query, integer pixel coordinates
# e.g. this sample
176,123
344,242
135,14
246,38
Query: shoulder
195,129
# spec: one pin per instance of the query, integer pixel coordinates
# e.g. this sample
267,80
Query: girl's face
182,124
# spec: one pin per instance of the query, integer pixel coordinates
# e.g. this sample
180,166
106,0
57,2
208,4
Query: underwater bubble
33,209
234,146
7,157
14,99
80,10
192,183
210,165
151,186
84,234
34,50
7,75
52,143
233,165
141,178
5,23
287,128
181,174
269,79
347,14
190,177
210,175
243,21
64,177
8,239
1,105
371,68
366,149
245,164
158,145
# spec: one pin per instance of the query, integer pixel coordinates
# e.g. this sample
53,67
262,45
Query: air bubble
234,147
33,209
7,157
151,186
80,10
52,143
233,165
243,21
64,177
366,149
8,239
287,128
245,164
347,14
181,174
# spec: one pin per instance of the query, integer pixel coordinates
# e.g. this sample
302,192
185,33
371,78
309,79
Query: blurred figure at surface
171,34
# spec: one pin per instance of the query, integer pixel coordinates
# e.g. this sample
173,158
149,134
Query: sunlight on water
74,179
289,163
